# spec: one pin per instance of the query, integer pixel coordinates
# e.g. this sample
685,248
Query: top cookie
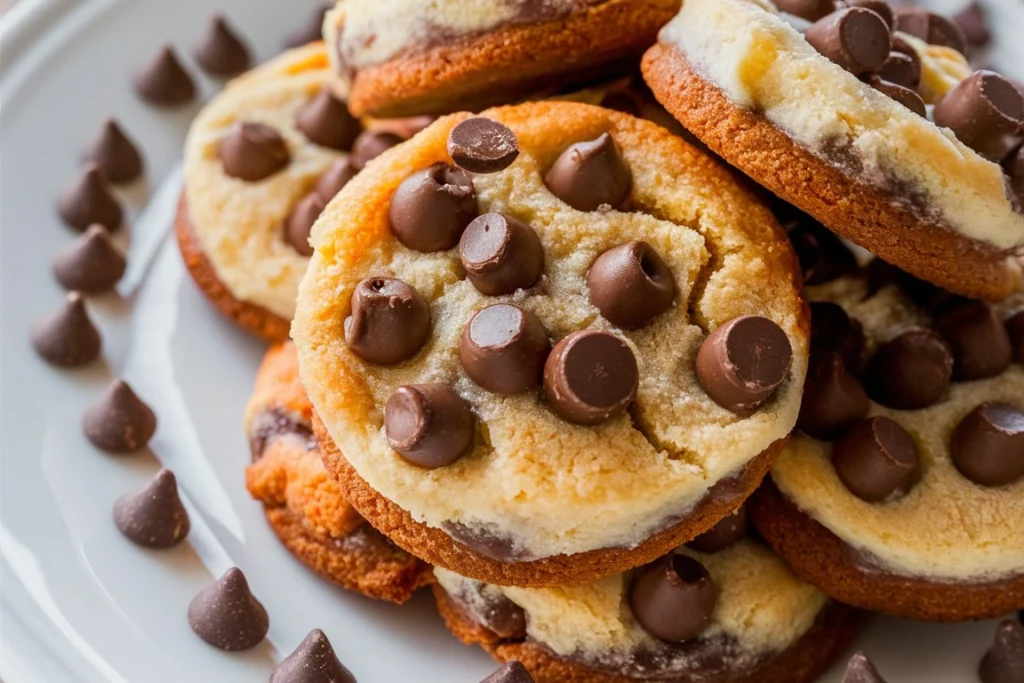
623,440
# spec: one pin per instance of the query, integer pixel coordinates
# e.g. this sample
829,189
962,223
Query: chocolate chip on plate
856,39
431,208
114,152
911,371
972,21
673,598
334,179
325,121
875,458
311,31
988,444
833,398
482,145
631,285
153,516
905,96
978,339
371,144
861,670
1015,328
504,618
811,10
90,264
503,349
429,425
313,661
253,151
986,112
221,52
227,615
119,421
510,672
89,200
163,81
300,222
832,329
67,337
879,7
590,377
501,254
932,28
389,323
902,68
743,362
729,531
591,175
1004,661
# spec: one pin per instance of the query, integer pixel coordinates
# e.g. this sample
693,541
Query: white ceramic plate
78,601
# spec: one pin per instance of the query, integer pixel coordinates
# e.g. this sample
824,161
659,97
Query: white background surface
78,602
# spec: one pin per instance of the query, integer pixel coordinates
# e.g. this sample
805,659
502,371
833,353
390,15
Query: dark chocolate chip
153,516
163,81
90,264
875,458
503,349
311,31
389,323
879,7
334,179
743,362
482,145
119,421
856,39
861,670
501,254
431,208
1015,328
313,661
115,153
510,672
68,337
833,398
674,598
1004,661
300,222
590,377
902,68
325,121
905,96
973,24
221,52
505,618
729,531
988,444
978,339
253,151
631,285
910,372
89,200
931,28
985,112
429,424
823,256
227,615
590,175
811,10
832,329
371,144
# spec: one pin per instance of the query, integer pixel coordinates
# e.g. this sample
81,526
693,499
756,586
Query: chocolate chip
153,516
510,672
334,179
590,377
729,531
300,222
931,28
389,323
861,670
978,339
631,285
90,264
482,145
973,24
253,151
743,362
325,121
163,81
902,68
833,398
879,7
119,422
856,39
811,10
503,349
89,200
505,619
67,337
115,153
432,207
988,444
673,598
501,254
221,52
227,615
313,661
371,144
590,175
910,372
986,112
875,458
1015,328
309,32
429,424
823,256
1013,167
1004,661
905,96
832,329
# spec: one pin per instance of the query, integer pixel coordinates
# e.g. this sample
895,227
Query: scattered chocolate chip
505,618
861,670
371,144
978,339
931,28
973,24
431,208
501,254
1015,328
743,362
905,96
986,112
590,175
153,516
879,7
902,68
253,151
910,372
875,458
163,81
67,337
389,323
119,422
631,285
673,598
90,264
429,424
482,145
227,615
988,444
811,10
510,672
503,349
833,398
221,52
832,329
325,121
300,222
313,661
590,377
89,200
856,39
309,32
115,153
334,179
729,531
823,256
1004,662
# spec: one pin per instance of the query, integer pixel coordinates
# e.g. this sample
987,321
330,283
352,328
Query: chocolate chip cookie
558,370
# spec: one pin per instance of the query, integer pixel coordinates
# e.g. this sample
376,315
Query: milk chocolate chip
300,222
856,39
861,670
978,339
163,81
833,330
67,337
389,323
674,598
931,28
429,424
811,10
986,112
876,458
90,264
988,444
431,208
879,7
325,121
153,516
590,377
910,372
505,618
833,398
501,254
482,145
119,421
631,285
902,68
221,52
371,144
905,96
589,175
1004,661
334,178
510,672
743,362
313,661
89,200
503,349
227,615
252,152
729,531
115,153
